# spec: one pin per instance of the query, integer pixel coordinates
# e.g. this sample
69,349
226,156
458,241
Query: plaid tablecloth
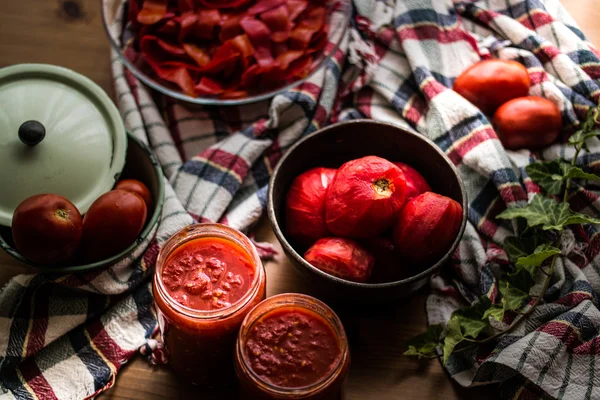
66,337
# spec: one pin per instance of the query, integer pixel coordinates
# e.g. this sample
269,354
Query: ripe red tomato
491,83
364,197
305,206
135,186
528,122
415,182
112,223
341,257
46,228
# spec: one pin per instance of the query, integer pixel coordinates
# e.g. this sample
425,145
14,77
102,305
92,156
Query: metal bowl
140,164
119,37
331,147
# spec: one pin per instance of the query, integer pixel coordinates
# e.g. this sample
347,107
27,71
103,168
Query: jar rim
296,300
203,230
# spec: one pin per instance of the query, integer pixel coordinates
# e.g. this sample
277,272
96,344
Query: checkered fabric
66,337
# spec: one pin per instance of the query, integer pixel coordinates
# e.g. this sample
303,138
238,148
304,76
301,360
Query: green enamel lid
59,133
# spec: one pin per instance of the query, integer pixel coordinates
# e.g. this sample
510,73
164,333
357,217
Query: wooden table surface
70,33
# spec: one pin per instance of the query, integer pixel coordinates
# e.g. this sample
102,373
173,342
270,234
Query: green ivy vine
533,253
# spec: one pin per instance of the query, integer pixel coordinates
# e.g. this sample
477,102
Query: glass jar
199,343
326,387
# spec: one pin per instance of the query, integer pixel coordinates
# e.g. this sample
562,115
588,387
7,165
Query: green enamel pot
61,133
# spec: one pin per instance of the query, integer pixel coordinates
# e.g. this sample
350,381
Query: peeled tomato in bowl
305,205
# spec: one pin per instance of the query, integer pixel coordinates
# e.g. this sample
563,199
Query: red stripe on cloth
512,192
593,70
320,115
574,298
132,83
432,88
364,98
538,77
416,110
591,347
309,89
563,331
36,338
105,344
227,160
536,20
531,186
200,219
594,247
437,33
460,149
273,154
151,254
32,374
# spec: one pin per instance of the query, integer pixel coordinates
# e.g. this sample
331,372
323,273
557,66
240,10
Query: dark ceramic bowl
331,147
140,164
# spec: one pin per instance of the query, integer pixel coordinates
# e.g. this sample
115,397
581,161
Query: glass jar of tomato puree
208,277
292,346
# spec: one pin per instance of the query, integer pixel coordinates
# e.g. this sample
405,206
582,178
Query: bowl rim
209,101
155,219
289,249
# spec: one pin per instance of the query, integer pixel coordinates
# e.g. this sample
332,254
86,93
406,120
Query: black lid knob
32,132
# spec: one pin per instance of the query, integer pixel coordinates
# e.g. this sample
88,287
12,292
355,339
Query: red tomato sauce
208,274
292,348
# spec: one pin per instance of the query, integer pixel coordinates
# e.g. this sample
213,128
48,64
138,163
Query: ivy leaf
424,345
466,322
521,278
548,175
497,312
548,213
512,297
570,171
453,337
517,247
581,136
540,254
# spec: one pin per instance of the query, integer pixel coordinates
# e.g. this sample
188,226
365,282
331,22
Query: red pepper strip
230,26
299,68
225,57
313,18
209,86
236,94
187,24
296,7
284,60
197,54
152,11
175,72
318,42
278,21
169,29
251,76
242,43
208,20
300,38
170,48
264,5
259,35
223,3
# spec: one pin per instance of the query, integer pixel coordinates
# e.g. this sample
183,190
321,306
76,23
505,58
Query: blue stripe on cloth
461,129
415,16
262,195
212,174
95,364
143,301
11,382
503,176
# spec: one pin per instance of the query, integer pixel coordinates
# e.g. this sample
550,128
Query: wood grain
70,33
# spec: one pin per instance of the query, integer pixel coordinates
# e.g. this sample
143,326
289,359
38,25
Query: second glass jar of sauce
208,277
292,346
